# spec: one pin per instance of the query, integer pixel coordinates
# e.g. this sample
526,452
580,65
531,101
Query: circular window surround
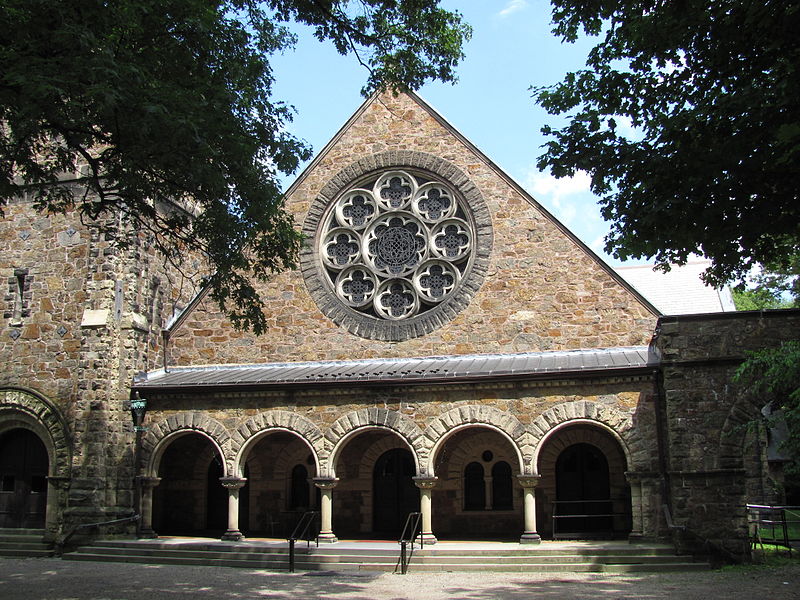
427,168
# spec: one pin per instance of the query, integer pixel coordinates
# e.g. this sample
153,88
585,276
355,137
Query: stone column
528,483
233,485
635,481
488,492
425,485
146,522
57,485
326,485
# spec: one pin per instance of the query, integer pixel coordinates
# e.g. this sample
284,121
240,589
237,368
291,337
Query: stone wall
88,319
542,289
712,462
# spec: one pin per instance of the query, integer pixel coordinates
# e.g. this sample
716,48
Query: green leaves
162,108
710,88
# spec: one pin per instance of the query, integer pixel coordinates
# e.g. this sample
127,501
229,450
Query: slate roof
402,371
679,291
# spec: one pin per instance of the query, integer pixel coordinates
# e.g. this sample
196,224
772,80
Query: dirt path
53,579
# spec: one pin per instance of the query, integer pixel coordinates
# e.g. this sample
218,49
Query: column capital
528,480
148,482
425,482
233,483
325,483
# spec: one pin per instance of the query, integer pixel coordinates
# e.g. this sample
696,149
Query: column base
147,534
428,539
327,538
635,537
530,537
232,535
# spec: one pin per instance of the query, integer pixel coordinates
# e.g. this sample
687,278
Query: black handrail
63,541
711,548
413,520
760,515
302,531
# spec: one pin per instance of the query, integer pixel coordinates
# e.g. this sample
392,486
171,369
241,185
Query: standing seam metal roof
401,370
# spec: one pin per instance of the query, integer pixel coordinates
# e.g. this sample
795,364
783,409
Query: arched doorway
583,493
476,495
190,500
279,468
23,479
375,467
394,493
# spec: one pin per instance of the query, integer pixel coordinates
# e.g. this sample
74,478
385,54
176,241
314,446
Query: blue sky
512,49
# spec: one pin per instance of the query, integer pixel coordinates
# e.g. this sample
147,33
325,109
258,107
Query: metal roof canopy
402,371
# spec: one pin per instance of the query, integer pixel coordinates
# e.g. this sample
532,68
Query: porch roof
403,371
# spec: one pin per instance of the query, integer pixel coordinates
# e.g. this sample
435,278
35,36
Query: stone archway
582,466
26,410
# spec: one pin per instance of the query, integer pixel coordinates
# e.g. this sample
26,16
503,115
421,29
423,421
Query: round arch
257,427
162,434
542,443
458,428
358,421
493,418
27,409
608,418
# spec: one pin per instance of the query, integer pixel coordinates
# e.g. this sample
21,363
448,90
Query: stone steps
24,543
346,557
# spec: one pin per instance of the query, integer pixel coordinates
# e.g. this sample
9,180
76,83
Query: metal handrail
63,542
302,531
777,516
413,520
611,515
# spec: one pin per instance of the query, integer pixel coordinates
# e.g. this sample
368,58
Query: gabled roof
679,291
494,167
404,371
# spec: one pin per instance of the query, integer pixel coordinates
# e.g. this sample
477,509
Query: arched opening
23,479
375,468
394,492
190,500
476,496
583,493
279,467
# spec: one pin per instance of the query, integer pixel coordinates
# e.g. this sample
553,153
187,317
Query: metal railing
304,530
62,543
777,525
411,531
608,514
709,547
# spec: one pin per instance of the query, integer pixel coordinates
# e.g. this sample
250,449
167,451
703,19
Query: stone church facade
446,347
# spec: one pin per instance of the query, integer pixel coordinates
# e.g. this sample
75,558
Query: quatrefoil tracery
398,247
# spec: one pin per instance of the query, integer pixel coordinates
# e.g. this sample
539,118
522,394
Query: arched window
298,498
502,495
474,487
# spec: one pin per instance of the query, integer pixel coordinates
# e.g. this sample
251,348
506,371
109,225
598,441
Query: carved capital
60,482
529,480
425,482
325,483
233,483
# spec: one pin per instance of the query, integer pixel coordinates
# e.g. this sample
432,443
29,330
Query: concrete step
24,543
558,558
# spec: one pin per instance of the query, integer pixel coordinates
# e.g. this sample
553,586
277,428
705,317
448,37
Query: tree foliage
688,122
118,107
773,376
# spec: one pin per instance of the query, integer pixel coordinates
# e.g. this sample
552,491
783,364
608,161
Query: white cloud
561,196
512,7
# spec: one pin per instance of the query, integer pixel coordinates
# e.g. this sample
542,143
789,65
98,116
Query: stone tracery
398,247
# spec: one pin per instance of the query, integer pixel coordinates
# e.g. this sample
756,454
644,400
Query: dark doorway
23,479
583,490
217,507
394,492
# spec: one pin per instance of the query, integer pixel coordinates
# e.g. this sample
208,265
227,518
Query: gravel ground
54,579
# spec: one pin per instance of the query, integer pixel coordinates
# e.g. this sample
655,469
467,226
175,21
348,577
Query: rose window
396,246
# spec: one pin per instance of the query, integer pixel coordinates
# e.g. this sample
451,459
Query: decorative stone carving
397,252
